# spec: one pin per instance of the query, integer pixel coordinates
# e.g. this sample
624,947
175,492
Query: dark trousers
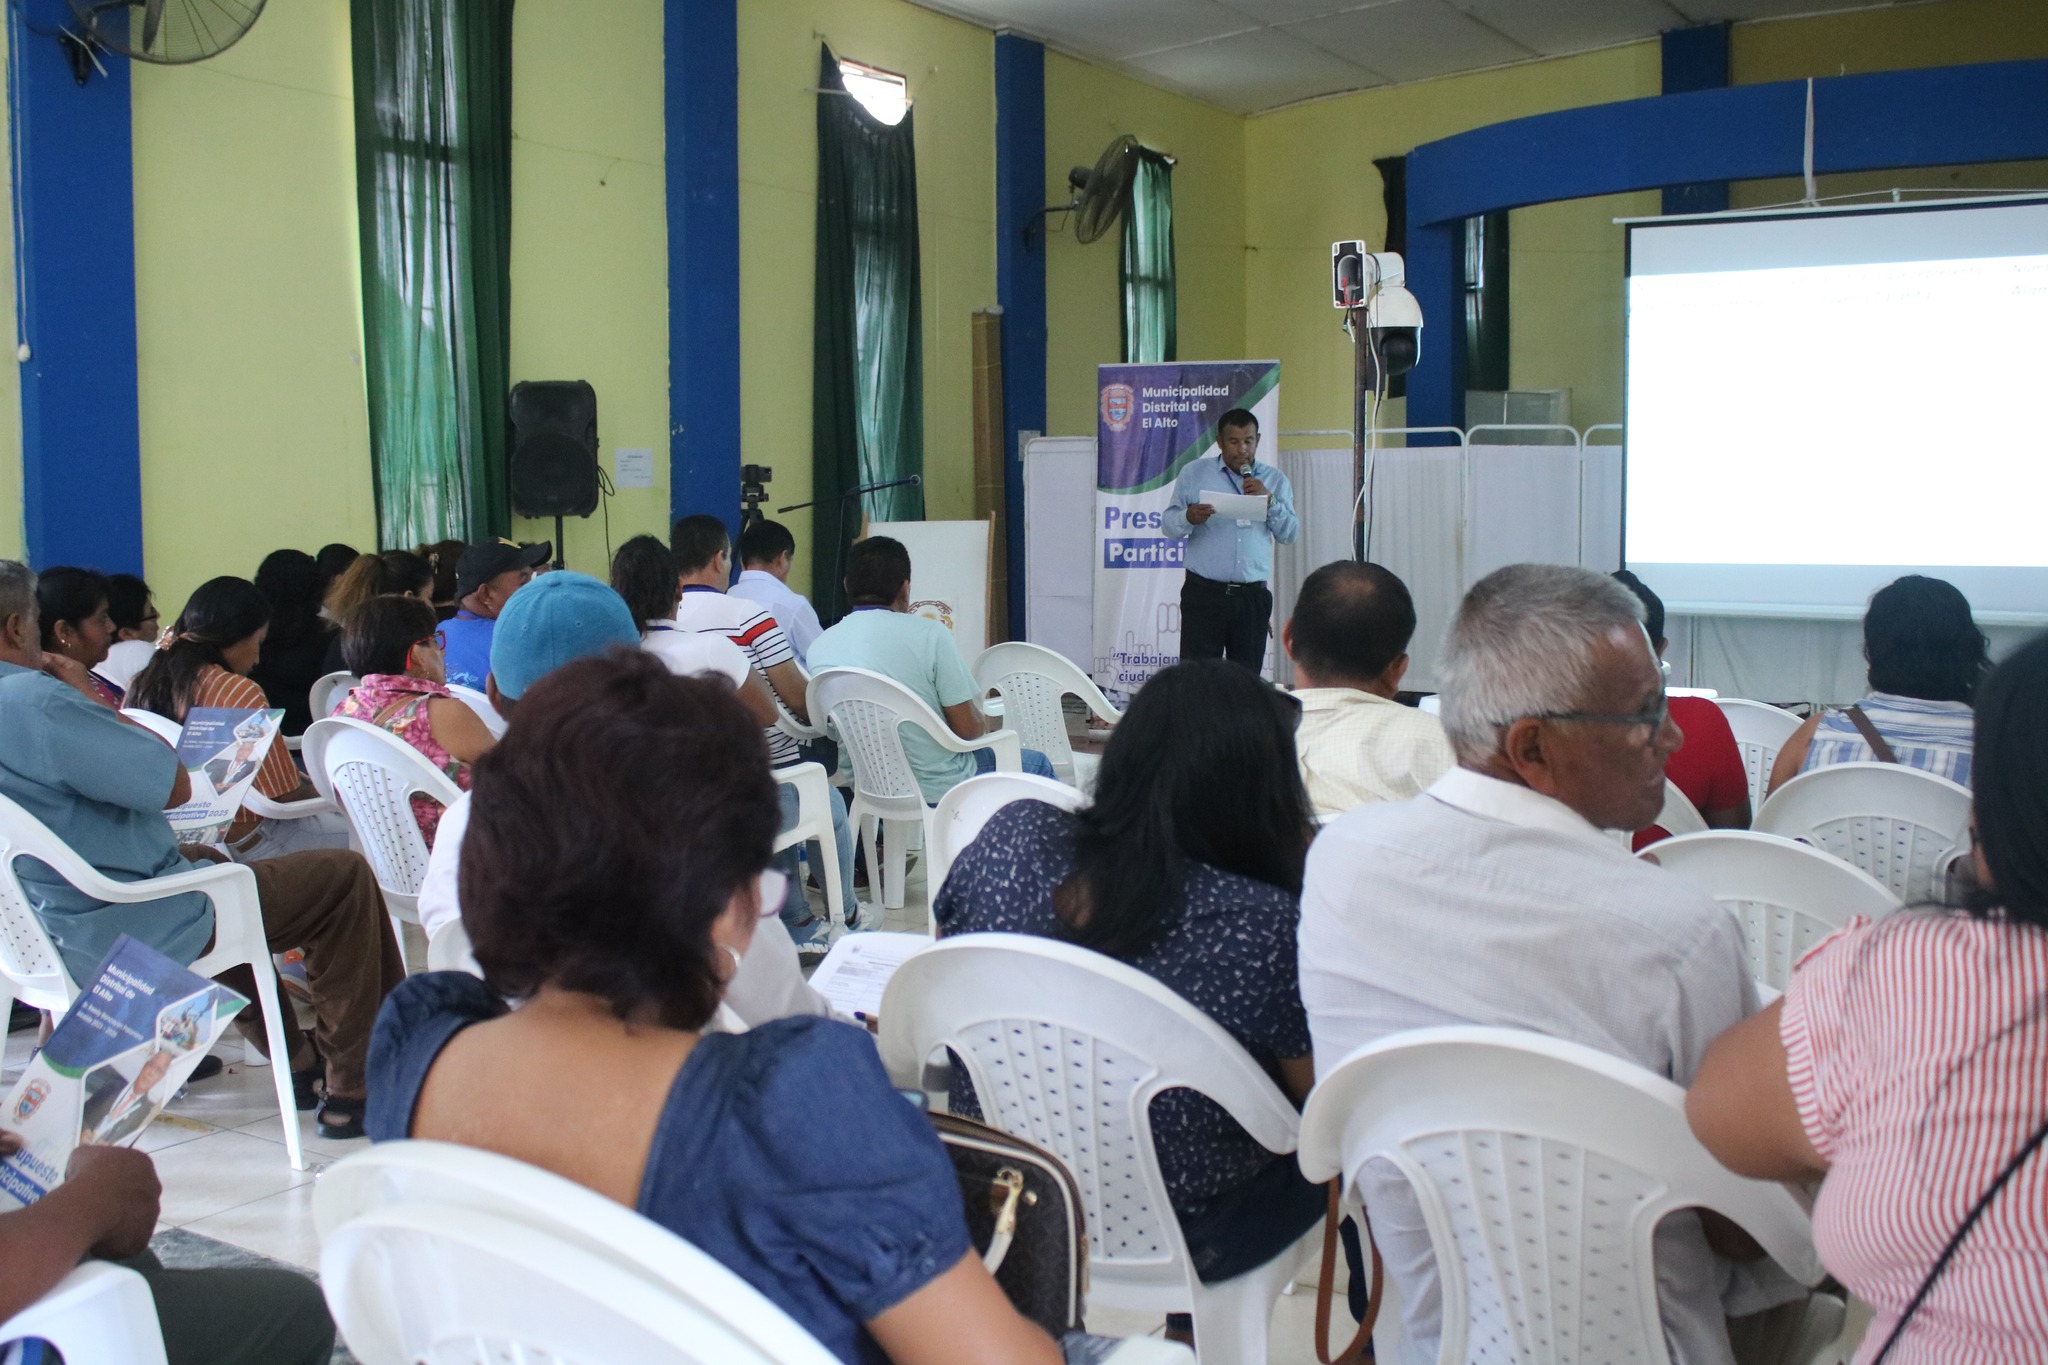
237,1316
1225,621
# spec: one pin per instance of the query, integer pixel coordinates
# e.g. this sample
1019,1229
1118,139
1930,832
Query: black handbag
1024,1215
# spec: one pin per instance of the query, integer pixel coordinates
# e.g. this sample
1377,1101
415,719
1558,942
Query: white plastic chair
1032,680
99,1314
373,775
1787,896
1760,731
32,971
1677,816
481,704
814,823
436,1252
866,712
1067,1048
962,812
326,693
253,801
1903,826
1542,1168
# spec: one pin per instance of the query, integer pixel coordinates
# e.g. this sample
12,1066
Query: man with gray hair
1496,898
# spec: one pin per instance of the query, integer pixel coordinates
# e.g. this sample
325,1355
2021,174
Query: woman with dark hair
334,559
612,873
390,573
133,609
441,558
644,573
1906,1063
72,606
1926,659
394,645
294,654
1187,865
214,643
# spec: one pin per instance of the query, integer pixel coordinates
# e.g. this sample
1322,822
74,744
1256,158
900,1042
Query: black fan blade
152,21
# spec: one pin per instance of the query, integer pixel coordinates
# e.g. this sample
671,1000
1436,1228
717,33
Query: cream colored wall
950,67
1085,108
589,238
247,303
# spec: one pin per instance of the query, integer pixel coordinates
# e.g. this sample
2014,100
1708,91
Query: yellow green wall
1085,107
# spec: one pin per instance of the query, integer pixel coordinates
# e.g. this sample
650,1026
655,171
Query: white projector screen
1819,402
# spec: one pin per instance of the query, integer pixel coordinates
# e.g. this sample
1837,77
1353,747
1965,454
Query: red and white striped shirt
1917,1049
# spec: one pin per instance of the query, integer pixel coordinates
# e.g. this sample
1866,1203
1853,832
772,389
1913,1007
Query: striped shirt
218,687
1917,1048
1934,736
750,626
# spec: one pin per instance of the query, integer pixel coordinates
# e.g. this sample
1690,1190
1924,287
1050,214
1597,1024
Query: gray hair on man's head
17,590
1522,645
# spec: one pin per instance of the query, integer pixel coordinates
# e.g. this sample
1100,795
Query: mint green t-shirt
919,653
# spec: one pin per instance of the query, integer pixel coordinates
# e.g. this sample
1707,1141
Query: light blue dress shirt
1223,548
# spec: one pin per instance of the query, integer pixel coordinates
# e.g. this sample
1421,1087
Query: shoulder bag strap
1326,1288
1870,735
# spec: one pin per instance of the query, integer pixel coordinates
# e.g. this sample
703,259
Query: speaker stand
559,564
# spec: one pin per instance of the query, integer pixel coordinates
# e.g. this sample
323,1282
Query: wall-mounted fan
170,32
1102,194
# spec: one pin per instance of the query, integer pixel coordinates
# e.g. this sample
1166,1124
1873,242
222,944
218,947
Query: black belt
1226,587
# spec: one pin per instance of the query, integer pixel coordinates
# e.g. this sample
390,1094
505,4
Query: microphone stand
843,500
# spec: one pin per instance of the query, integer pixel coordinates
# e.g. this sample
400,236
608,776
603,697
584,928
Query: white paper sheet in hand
1238,506
854,972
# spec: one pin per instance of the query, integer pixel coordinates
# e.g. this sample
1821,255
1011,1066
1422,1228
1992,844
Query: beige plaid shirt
1356,747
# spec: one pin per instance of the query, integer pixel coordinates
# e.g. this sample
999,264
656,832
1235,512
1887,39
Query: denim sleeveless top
782,1152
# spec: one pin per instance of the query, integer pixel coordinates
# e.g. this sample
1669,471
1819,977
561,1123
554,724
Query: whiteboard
1059,546
948,575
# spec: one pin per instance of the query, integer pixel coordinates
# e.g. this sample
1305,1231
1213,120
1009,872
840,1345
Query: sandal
342,1119
307,1087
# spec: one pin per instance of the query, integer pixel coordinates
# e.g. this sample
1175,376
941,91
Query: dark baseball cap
486,559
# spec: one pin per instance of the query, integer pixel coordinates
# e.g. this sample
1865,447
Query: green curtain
1145,274
433,109
867,347
1486,301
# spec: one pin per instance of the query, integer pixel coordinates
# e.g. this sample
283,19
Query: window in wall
884,94
1486,301
867,346
433,115
1145,273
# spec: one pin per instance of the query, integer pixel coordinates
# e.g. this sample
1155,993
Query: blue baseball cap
556,619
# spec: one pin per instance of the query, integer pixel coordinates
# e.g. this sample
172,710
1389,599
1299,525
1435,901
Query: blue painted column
1696,59
74,194
1020,280
700,42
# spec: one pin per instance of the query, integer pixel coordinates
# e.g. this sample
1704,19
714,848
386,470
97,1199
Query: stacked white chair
481,704
373,775
1760,732
962,812
99,1314
1032,681
1903,826
32,971
1067,1048
866,712
1542,1168
327,691
253,801
1787,896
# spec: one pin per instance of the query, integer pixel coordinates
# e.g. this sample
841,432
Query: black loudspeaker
552,469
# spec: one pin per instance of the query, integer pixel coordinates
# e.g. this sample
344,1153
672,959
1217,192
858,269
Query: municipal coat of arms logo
1119,401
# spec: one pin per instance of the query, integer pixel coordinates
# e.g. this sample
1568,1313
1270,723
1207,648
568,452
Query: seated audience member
334,560
106,1208
565,617
766,549
101,784
392,644
296,649
1348,639
1708,765
881,635
1187,866
388,573
486,576
1904,1063
442,557
136,625
616,921
644,575
214,643
1926,658
1495,899
76,623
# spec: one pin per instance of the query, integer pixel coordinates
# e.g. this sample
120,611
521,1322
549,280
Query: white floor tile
279,1226
168,1130
221,1171
239,1095
315,1146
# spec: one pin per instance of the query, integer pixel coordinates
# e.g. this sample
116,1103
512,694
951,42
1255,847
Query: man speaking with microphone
1226,609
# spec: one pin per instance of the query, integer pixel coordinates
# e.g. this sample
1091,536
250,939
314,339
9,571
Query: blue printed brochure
117,1057
222,749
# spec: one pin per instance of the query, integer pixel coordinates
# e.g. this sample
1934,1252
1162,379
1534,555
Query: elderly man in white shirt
1348,639
1495,899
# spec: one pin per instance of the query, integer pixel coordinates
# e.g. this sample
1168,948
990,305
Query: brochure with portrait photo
113,1062
222,749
